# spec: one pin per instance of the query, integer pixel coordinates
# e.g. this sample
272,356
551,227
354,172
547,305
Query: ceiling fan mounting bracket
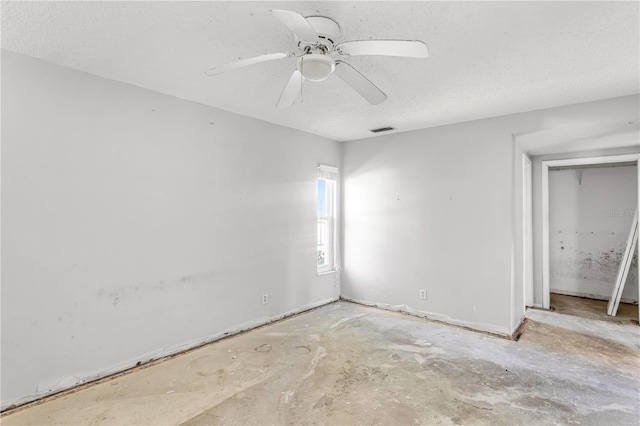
328,32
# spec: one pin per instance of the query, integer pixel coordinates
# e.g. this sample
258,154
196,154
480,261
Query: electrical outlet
265,299
423,294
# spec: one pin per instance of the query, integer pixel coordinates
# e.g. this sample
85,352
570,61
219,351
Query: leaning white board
623,272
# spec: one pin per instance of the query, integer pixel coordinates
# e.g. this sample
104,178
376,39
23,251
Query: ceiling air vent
382,129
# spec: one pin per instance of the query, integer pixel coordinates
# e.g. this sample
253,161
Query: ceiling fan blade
245,62
406,48
298,24
360,83
291,91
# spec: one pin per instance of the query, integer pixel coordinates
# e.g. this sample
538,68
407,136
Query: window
326,207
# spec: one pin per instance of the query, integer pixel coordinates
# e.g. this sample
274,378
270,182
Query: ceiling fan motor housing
327,29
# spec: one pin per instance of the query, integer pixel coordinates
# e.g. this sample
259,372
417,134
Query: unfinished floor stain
592,309
350,364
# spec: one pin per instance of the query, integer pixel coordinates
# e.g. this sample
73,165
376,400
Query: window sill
321,273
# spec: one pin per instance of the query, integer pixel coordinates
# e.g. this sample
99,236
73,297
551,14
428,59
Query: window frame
330,176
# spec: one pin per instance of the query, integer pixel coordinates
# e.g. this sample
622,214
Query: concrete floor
348,364
591,308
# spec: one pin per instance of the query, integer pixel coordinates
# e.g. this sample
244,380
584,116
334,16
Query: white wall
135,224
590,216
441,209
430,210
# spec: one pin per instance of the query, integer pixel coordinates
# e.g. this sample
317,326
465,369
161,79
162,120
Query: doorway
588,206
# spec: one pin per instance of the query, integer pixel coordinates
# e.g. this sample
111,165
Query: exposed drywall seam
73,383
442,319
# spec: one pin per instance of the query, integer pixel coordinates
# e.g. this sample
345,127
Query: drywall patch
66,382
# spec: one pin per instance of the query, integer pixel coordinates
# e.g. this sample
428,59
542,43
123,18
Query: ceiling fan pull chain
301,78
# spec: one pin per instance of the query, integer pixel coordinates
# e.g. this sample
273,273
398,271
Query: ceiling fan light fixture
316,67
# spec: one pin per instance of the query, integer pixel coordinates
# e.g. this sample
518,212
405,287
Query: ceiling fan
322,53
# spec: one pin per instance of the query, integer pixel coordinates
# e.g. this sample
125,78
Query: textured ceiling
486,58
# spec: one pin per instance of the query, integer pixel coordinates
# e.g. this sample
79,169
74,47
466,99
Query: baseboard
502,332
74,382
